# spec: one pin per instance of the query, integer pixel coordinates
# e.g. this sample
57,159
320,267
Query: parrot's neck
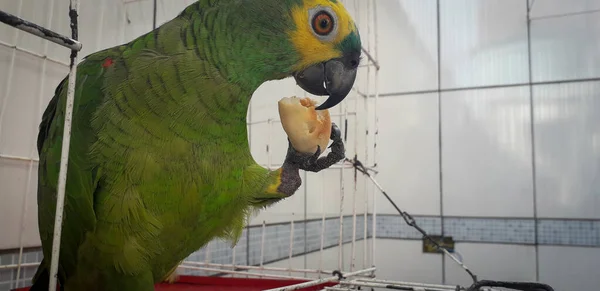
248,49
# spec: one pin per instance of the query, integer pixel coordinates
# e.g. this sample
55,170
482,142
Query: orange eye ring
322,23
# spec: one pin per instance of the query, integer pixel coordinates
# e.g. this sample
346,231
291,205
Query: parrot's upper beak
334,78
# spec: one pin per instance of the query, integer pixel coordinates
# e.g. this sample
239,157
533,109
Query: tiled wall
307,234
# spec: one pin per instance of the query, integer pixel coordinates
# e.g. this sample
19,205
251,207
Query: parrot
159,161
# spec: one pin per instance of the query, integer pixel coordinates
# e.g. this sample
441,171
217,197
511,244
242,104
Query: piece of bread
306,127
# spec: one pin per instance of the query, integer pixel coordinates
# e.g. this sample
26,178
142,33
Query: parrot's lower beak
334,78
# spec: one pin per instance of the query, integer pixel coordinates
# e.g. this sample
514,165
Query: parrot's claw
312,162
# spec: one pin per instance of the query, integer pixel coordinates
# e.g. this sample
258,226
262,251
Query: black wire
523,286
405,215
154,12
74,31
345,129
477,285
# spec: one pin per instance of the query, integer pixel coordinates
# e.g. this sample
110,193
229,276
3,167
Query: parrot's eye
322,23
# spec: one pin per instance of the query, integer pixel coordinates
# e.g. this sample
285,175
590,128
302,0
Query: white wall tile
19,116
7,33
409,159
13,178
549,8
567,146
6,58
562,47
407,45
483,43
486,153
401,260
569,268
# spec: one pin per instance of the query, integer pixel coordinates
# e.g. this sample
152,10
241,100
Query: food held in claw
306,127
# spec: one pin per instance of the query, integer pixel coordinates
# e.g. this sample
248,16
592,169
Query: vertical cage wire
354,189
376,133
367,122
341,223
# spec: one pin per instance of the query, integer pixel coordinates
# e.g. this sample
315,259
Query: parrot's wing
82,176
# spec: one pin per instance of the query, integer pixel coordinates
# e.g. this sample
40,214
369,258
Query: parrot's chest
194,178
189,187
192,198
177,189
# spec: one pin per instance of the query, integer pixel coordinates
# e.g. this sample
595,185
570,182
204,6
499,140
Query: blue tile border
569,232
520,231
556,232
394,227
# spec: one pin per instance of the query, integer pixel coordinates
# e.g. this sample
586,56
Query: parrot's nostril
352,60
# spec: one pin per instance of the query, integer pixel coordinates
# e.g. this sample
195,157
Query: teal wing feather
82,177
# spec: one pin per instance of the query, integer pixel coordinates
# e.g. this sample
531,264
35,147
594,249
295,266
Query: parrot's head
314,41
328,44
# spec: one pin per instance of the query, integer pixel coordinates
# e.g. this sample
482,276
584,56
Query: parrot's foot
312,162
172,276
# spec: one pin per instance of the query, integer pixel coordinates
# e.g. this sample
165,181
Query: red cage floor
197,283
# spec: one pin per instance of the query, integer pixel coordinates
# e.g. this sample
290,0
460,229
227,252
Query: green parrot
159,159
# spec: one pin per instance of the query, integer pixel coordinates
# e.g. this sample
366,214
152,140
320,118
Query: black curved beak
334,78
